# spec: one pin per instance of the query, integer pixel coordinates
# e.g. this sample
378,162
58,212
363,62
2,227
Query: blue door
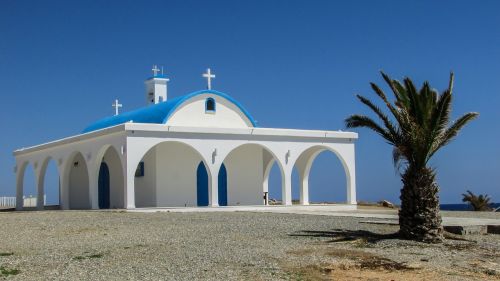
103,186
202,185
222,186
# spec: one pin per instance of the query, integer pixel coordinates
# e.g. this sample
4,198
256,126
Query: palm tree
478,203
419,127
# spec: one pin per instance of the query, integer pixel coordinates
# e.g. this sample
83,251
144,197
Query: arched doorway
201,185
110,180
222,188
329,182
78,183
247,170
172,174
50,184
104,187
27,183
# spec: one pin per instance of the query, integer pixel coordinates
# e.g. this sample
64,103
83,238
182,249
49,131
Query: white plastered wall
116,178
245,175
192,113
145,186
176,166
213,145
91,146
79,184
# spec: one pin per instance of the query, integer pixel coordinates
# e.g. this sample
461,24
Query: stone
493,229
413,265
466,229
386,204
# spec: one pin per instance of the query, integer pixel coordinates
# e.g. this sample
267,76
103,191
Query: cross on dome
117,106
209,77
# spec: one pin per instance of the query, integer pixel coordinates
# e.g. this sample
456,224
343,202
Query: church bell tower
156,87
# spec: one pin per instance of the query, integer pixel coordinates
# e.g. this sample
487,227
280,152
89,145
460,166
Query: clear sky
292,64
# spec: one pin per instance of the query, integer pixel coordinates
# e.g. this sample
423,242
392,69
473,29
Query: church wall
176,175
286,145
116,178
193,114
245,176
79,184
145,187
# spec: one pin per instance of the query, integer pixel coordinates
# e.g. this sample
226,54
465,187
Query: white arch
20,170
267,170
41,181
304,163
102,151
66,201
266,167
116,177
144,150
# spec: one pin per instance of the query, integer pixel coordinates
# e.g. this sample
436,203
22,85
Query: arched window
210,105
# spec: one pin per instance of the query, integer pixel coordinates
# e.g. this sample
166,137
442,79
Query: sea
462,207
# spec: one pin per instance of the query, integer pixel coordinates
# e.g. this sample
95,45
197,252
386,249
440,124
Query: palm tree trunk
419,217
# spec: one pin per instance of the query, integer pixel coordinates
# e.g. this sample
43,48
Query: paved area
335,210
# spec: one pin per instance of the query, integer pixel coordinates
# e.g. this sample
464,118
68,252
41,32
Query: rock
491,269
386,204
494,229
413,265
466,229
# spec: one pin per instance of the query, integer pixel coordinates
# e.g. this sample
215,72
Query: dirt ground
361,265
118,245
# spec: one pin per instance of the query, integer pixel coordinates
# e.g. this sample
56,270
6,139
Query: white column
19,187
129,180
303,165
129,194
267,165
351,185
304,188
93,186
303,169
64,188
213,189
39,178
286,188
349,163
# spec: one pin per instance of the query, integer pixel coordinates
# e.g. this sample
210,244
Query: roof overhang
170,130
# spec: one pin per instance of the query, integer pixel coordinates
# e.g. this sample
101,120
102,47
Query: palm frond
357,121
398,157
453,130
395,113
391,128
420,121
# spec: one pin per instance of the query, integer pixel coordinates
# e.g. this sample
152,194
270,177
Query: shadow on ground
344,235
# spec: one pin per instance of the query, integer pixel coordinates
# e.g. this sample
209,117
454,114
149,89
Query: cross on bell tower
156,70
209,77
156,86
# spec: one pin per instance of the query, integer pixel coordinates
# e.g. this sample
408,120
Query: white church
200,149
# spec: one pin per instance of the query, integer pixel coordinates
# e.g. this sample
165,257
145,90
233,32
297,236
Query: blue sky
293,64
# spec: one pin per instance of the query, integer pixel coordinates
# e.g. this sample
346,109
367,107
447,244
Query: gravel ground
93,245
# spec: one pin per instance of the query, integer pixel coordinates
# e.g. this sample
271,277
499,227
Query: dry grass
351,264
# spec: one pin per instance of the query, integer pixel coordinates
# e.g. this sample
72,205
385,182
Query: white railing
29,201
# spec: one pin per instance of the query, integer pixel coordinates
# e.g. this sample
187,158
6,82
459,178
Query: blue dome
159,113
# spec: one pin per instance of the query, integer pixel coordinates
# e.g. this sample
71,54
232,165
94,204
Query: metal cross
155,70
209,77
117,105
